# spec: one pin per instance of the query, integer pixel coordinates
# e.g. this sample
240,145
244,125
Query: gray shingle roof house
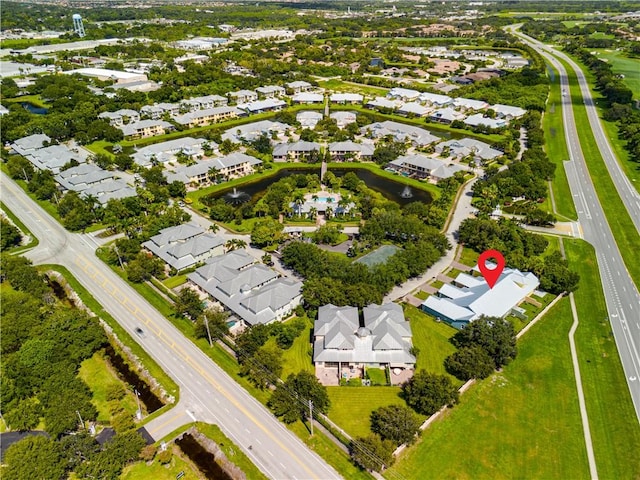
381,340
341,151
26,145
184,245
421,166
54,157
469,297
400,132
253,292
294,151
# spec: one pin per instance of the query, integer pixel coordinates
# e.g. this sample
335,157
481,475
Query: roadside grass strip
614,428
556,148
618,218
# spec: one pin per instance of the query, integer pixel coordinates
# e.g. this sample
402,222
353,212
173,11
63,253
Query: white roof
207,112
266,104
479,119
403,93
308,97
400,131
103,72
508,110
470,302
346,97
298,84
382,102
470,103
415,108
435,99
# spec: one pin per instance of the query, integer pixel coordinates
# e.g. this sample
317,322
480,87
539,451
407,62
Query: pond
34,108
396,191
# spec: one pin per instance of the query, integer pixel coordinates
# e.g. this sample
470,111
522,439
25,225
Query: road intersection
207,393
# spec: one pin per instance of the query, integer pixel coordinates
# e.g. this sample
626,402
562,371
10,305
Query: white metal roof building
469,297
105,74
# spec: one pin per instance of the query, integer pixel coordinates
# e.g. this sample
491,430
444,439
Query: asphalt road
621,294
207,393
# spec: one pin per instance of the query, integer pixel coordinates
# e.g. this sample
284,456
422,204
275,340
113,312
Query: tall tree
290,400
372,453
496,336
396,423
427,392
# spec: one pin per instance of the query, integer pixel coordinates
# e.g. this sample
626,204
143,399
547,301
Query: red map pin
491,275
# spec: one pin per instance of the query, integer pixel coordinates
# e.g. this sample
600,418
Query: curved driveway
207,392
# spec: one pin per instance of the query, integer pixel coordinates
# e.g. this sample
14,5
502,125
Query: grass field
614,431
520,423
621,64
431,338
341,86
618,218
351,407
298,357
556,149
99,376
173,282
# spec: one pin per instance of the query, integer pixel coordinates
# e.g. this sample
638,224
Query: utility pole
311,415
206,324
118,253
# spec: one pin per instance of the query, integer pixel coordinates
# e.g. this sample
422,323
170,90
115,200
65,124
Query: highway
621,294
207,393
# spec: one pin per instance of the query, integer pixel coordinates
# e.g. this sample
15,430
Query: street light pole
311,415
206,324
139,412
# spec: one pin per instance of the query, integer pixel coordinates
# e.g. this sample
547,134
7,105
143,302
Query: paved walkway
462,211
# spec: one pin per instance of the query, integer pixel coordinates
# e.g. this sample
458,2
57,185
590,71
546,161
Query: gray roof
185,253
400,132
32,142
349,146
132,128
384,338
468,146
55,156
266,104
308,97
82,176
270,89
165,151
207,112
249,131
252,291
282,149
417,161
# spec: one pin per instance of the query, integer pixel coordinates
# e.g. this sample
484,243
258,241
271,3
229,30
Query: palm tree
214,227
328,212
212,173
234,244
313,212
298,200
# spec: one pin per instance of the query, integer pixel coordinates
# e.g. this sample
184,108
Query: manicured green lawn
421,295
618,218
341,86
173,282
556,149
298,357
99,376
33,99
623,65
351,407
431,338
520,423
614,431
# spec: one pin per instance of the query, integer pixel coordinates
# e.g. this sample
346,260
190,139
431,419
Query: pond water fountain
236,197
407,192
